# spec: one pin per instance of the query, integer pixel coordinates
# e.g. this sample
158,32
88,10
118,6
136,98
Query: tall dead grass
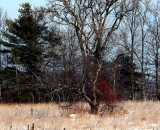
131,115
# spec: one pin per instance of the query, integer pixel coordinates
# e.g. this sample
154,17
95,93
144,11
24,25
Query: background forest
86,50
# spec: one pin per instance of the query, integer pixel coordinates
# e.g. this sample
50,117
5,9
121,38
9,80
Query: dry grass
133,116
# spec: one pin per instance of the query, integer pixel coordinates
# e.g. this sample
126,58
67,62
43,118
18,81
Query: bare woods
88,50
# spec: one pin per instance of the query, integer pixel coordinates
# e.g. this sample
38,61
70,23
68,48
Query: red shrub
106,93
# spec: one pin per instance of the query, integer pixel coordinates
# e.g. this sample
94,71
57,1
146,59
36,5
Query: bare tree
127,39
133,38
154,41
92,22
142,58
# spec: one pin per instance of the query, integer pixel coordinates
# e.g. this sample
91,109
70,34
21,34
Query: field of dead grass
134,116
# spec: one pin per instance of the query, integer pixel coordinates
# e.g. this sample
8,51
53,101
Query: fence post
10,127
31,111
32,128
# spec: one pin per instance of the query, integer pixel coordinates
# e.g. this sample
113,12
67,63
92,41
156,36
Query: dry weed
129,115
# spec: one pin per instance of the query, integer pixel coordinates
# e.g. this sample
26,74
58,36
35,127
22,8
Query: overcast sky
12,6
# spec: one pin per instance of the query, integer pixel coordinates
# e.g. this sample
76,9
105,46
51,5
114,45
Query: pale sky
12,6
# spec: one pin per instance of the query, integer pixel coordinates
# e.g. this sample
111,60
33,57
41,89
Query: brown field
134,116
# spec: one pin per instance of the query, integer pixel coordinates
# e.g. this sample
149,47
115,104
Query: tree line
86,50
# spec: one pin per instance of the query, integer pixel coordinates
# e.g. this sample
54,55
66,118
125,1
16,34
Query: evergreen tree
23,38
123,76
23,41
6,71
25,33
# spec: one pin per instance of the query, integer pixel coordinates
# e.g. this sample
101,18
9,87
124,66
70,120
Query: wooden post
10,127
31,111
32,128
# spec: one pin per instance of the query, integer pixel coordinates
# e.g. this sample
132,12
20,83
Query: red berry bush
105,93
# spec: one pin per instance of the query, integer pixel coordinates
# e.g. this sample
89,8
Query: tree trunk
132,72
142,70
157,68
132,52
94,109
0,93
157,61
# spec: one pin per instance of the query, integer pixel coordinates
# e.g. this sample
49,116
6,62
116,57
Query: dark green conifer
23,39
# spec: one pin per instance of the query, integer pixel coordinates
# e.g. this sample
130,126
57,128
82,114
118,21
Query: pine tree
22,41
24,38
26,32
124,80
